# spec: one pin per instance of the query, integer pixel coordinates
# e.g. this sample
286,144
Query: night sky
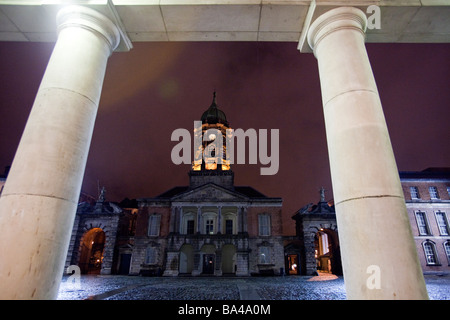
159,87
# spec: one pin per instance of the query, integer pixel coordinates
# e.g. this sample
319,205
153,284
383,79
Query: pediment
209,192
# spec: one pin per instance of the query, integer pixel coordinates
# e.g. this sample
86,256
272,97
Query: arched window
447,250
429,249
188,223
230,223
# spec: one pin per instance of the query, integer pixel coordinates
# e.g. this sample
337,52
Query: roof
246,191
427,174
214,114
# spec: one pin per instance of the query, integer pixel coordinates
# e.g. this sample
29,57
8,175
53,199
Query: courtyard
322,287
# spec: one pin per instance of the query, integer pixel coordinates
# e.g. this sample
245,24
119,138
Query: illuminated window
209,226
422,224
442,223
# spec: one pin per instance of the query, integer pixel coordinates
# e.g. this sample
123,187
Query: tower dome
214,115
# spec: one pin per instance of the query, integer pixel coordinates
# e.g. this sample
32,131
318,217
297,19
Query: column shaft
39,201
219,219
374,229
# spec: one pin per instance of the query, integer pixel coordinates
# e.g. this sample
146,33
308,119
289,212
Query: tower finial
214,99
322,194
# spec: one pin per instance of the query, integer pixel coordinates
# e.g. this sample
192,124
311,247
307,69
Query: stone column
180,220
199,219
378,252
219,220
39,201
244,220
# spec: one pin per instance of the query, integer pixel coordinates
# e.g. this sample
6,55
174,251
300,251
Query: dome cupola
214,115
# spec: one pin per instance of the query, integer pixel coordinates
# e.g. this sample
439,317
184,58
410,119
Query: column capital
89,19
334,20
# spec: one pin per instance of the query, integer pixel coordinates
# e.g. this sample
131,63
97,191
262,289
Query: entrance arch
229,258
91,251
186,259
327,251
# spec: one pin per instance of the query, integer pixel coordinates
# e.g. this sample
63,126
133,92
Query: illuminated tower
211,162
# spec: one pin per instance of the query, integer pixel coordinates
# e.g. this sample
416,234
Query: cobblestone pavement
323,287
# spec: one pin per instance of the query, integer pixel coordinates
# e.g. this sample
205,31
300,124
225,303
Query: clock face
212,136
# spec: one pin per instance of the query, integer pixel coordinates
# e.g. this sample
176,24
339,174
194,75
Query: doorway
208,264
91,257
293,266
125,261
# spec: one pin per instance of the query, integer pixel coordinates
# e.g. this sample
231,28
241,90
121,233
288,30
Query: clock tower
211,162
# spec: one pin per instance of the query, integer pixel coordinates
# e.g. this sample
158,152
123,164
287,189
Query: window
264,255
430,253
153,225
442,223
190,227
447,250
414,193
422,224
433,193
228,226
448,191
209,226
150,255
264,224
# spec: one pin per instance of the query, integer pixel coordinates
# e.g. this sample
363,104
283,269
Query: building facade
209,227
317,232
427,197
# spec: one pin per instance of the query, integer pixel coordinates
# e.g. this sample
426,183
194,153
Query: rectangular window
209,226
150,255
442,223
414,193
448,191
153,225
190,227
264,224
228,226
264,255
422,223
434,195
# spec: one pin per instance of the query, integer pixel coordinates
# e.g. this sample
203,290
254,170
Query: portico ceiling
227,20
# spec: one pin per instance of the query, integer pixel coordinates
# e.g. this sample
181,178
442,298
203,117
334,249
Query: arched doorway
186,259
91,256
327,251
228,259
